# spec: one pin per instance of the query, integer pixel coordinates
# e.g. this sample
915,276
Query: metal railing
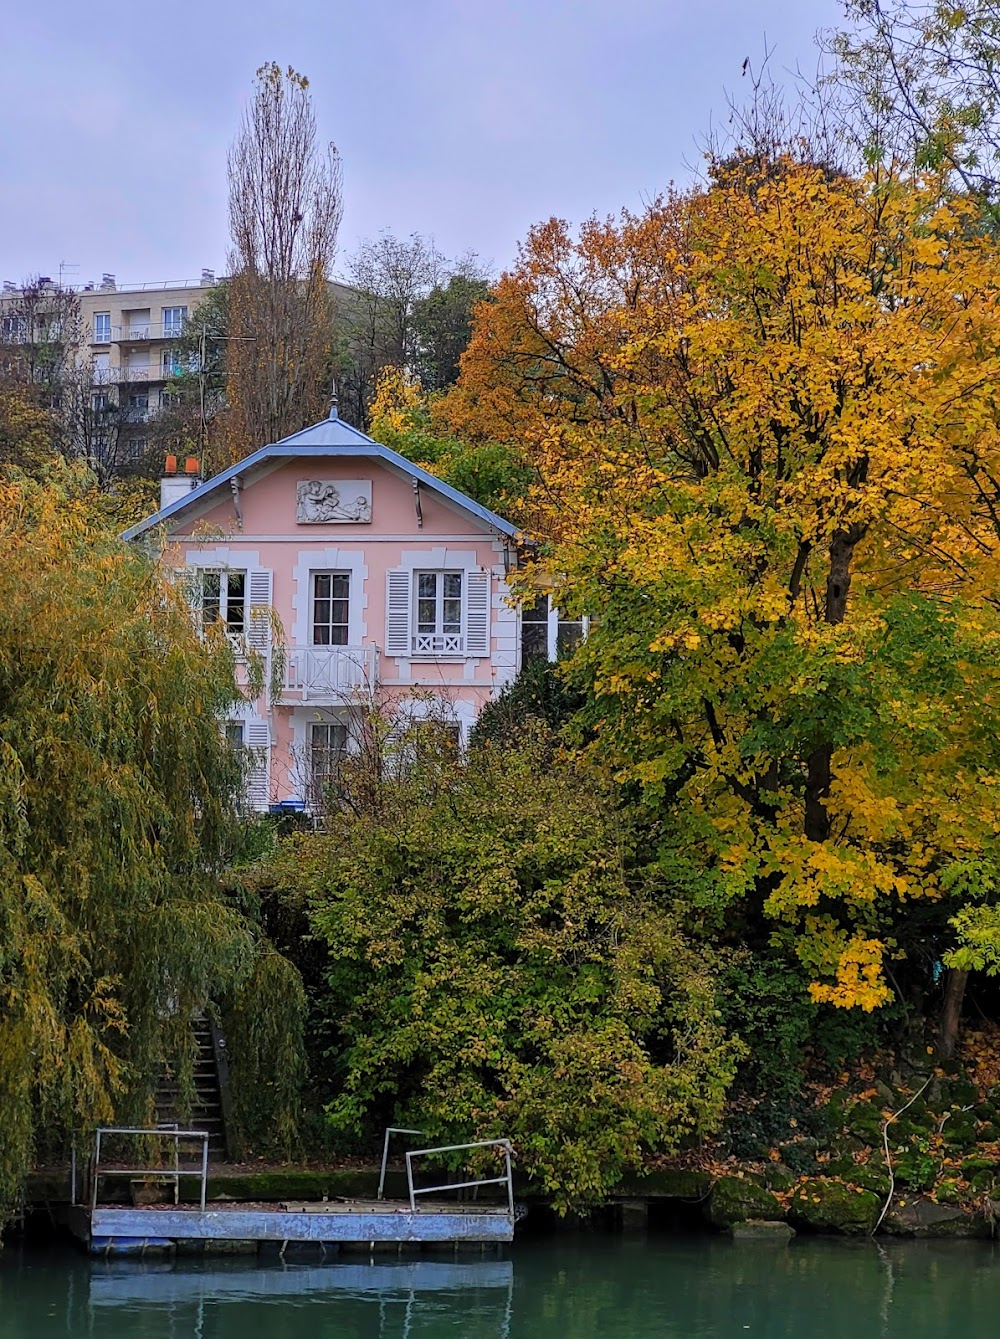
145,330
506,1180
172,1174
390,1131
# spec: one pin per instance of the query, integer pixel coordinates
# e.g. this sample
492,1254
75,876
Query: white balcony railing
143,330
327,675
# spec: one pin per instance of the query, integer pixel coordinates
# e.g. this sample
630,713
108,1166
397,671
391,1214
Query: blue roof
331,437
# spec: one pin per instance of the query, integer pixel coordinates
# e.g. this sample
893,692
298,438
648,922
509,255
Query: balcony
114,376
146,330
330,675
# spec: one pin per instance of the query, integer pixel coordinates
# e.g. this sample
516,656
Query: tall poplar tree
284,214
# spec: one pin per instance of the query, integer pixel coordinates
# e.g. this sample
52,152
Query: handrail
161,1132
507,1179
390,1130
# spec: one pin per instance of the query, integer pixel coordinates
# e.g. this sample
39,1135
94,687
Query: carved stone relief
325,502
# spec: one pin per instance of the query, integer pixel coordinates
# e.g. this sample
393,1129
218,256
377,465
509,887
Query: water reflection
568,1288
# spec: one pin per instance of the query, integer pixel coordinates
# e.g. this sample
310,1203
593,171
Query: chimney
207,278
174,485
107,283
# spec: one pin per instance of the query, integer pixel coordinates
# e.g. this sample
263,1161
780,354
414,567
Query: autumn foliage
762,417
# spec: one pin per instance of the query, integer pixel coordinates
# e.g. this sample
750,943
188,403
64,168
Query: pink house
360,578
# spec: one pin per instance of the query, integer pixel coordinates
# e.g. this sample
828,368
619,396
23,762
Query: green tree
442,324
494,968
117,805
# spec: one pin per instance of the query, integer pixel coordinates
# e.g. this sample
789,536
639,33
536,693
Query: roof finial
333,400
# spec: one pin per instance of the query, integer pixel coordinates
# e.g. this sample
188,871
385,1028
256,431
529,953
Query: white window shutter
259,600
477,613
398,602
258,739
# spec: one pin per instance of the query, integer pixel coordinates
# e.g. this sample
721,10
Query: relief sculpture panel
325,502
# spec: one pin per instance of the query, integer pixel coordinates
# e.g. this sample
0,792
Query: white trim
224,557
409,538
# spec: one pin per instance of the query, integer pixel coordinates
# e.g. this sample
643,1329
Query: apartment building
127,338
131,333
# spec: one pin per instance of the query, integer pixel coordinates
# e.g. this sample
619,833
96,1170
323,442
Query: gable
344,499
319,460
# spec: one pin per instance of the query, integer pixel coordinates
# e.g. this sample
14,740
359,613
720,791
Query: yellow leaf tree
763,417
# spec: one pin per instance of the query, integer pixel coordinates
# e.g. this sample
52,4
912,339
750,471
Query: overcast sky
466,120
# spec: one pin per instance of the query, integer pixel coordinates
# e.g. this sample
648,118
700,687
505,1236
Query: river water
588,1287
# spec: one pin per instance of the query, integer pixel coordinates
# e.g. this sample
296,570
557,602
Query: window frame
102,332
222,601
443,635
173,327
319,780
557,630
334,575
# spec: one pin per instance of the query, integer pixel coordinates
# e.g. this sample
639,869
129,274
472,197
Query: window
137,410
13,330
223,597
437,740
102,327
101,403
439,612
102,368
173,321
569,634
235,736
327,746
135,450
331,593
535,629
171,363
545,633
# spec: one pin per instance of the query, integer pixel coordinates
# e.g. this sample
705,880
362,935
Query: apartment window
102,368
173,321
102,327
13,330
224,597
327,746
235,736
171,363
100,403
331,598
135,450
137,410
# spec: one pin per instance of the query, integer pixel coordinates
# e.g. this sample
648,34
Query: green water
576,1288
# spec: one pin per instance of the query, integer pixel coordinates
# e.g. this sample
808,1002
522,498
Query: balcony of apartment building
329,676
143,330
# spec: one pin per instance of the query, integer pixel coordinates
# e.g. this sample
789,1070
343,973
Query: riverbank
912,1151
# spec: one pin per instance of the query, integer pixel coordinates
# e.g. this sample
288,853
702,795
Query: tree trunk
951,1012
838,584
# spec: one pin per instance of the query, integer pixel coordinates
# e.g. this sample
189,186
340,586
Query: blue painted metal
328,438
113,1284
110,1229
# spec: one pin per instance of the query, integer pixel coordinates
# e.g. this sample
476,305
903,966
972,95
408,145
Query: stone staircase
206,1111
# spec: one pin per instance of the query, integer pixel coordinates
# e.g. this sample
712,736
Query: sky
464,120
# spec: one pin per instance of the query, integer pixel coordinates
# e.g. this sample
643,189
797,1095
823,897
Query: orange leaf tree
763,420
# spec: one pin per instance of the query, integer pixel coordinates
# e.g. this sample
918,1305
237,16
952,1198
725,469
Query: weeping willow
117,804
